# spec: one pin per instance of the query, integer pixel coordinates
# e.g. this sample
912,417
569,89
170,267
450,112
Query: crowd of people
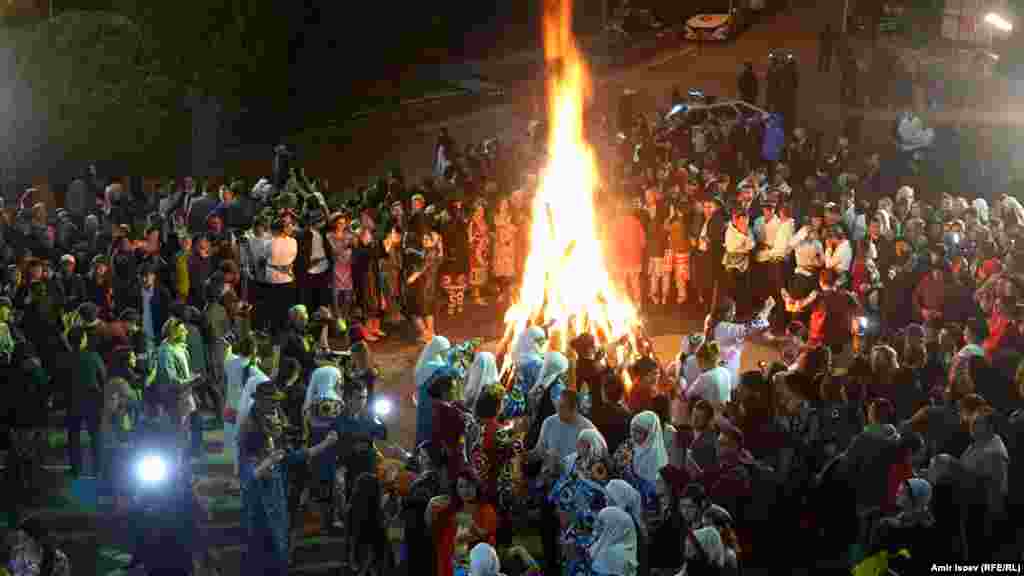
888,423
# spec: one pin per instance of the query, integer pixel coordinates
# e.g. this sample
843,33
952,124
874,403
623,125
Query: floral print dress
504,246
479,252
582,499
496,457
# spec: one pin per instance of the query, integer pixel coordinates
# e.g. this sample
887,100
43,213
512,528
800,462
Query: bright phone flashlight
382,407
152,469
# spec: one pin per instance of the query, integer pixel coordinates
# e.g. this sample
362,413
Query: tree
94,93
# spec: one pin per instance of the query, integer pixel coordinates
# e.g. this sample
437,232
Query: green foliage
94,91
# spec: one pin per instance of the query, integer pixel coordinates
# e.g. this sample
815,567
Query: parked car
698,107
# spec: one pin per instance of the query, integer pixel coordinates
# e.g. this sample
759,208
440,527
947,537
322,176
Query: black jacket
160,305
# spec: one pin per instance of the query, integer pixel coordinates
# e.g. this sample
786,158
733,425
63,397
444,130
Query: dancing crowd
888,423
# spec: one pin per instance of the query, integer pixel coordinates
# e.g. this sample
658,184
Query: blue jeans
195,424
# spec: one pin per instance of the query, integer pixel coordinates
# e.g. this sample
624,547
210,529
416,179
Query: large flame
566,282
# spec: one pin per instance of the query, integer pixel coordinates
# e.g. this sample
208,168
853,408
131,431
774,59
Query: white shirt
283,251
559,436
323,384
809,253
715,386
764,233
317,255
737,244
234,369
840,258
245,402
259,250
856,224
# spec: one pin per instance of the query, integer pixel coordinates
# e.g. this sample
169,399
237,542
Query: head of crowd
885,419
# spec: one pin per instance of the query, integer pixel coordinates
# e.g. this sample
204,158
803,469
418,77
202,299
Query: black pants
550,538
87,412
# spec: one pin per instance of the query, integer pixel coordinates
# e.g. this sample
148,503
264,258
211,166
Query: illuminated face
186,244
69,267
101,269
203,248
180,333
418,204
5,313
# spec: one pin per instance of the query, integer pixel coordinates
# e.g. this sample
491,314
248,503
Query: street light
998,22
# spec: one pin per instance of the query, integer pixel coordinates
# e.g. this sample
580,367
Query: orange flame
566,282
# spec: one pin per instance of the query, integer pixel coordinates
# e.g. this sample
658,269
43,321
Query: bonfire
566,284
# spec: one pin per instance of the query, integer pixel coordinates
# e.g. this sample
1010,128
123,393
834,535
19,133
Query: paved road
373,147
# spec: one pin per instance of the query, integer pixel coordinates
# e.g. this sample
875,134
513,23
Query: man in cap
71,282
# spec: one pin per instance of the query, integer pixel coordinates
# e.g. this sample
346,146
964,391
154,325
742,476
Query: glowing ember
566,279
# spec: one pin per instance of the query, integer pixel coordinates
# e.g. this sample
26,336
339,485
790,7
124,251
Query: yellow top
181,279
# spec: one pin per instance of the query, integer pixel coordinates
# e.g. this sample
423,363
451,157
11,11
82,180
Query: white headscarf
614,552
981,206
555,364
710,541
483,373
592,438
528,344
650,457
483,560
624,496
430,359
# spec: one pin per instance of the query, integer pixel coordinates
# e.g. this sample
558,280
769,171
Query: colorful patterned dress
582,499
622,467
527,372
496,457
504,246
479,252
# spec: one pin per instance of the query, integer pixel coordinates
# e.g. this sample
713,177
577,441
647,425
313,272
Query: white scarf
430,359
483,373
483,560
614,552
650,457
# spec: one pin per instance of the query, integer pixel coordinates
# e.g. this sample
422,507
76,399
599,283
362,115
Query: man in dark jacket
608,414
294,343
71,282
870,455
748,84
153,302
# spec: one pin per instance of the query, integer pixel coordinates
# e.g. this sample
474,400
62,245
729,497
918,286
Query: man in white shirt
767,259
810,257
736,261
838,254
558,432
284,249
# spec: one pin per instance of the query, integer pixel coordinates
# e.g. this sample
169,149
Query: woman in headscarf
483,373
590,447
911,529
546,392
720,519
578,495
640,458
623,496
615,552
704,553
528,363
495,451
483,561
431,360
